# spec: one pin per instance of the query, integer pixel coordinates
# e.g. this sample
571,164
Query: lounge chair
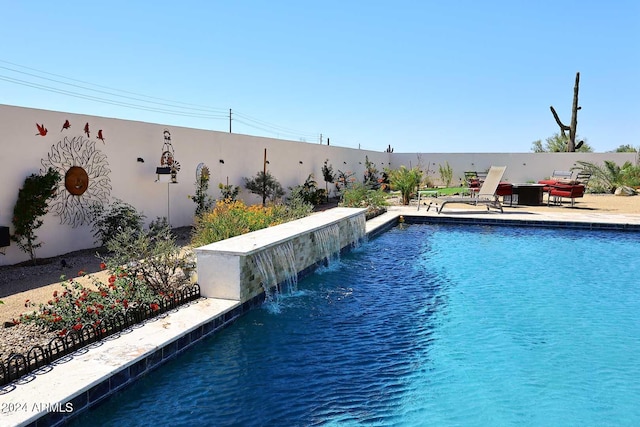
486,194
558,177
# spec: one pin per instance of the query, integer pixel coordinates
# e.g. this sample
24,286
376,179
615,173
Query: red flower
125,303
55,294
103,265
81,273
77,326
154,306
62,332
89,309
112,278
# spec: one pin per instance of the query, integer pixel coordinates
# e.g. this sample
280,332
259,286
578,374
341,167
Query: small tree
32,202
557,143
265,185
229,192
405,180
371,179
328,175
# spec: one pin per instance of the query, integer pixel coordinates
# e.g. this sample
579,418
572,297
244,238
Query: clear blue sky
426,76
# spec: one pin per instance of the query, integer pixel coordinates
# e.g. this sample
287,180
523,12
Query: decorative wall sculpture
86,178
169,166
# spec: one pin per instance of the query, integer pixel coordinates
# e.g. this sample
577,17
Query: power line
176,107
108,101
276,128
219,110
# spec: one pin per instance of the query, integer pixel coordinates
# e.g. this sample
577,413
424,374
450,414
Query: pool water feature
424,325
281,258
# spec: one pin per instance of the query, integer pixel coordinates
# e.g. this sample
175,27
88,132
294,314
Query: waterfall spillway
328,243
278,271
355,228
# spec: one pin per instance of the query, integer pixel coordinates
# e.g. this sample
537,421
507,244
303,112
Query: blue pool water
424,325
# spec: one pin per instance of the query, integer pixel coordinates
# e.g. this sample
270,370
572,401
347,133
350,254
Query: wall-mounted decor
86,130
100,137
66,125
42,131
86,179
169,166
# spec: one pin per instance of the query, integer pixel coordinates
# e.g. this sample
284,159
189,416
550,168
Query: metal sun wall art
86,178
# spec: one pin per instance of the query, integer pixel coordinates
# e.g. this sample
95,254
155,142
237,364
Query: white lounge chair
486,195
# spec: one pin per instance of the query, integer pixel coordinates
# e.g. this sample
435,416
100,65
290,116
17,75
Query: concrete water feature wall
231,269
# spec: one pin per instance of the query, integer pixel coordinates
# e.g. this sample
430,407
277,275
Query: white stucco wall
22,152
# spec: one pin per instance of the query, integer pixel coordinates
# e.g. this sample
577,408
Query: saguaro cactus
571,145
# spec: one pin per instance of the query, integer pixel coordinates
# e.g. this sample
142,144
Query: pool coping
88,376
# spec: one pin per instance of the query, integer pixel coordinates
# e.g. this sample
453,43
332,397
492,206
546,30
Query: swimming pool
424,325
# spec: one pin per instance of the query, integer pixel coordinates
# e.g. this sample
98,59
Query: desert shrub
360,196
117,217
446,174
78,305
233,218
146,269
152,256
308,192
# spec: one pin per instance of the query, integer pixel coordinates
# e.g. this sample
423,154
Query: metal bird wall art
42,131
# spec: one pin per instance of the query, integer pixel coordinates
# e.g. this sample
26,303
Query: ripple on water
425,325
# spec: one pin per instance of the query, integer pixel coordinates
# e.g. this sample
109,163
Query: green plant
118,217
446,174
233,218
32,203
328,176
371,179
264,185
203,201
359,196
343,181
405,180
308,192
78,306
228,191
558,143
152,256
609,176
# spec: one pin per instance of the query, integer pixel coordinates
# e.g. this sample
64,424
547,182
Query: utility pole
229,120
264,179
